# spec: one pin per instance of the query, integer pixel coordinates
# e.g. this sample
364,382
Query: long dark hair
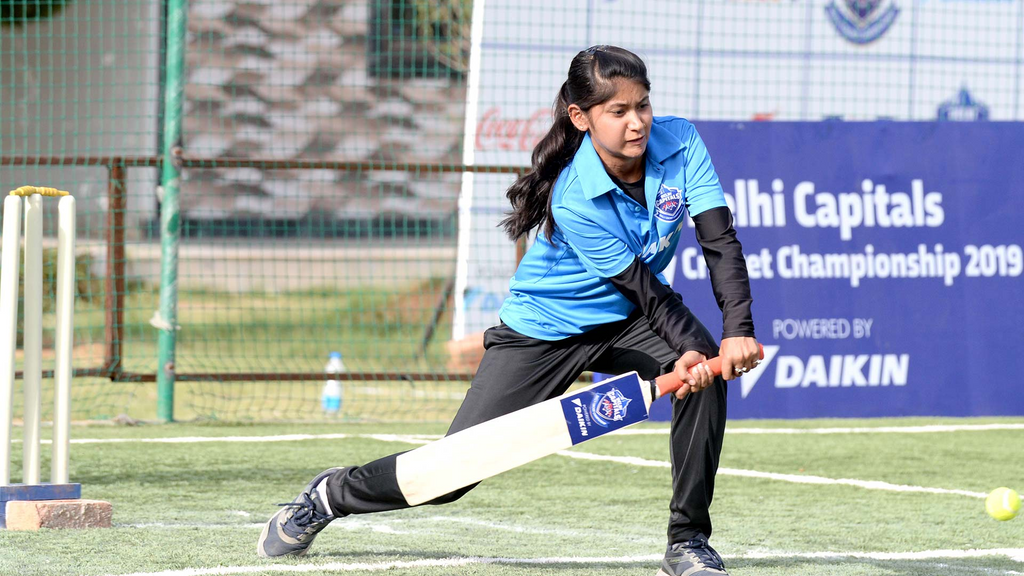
589,84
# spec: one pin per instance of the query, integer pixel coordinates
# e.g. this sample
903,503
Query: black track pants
518,371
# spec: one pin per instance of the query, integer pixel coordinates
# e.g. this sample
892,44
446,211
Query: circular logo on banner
862,21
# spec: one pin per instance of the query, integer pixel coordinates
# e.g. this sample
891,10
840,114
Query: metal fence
307,158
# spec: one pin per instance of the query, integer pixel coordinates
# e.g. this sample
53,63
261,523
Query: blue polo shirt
561,287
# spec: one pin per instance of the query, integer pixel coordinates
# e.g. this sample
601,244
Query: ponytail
589,83
530,195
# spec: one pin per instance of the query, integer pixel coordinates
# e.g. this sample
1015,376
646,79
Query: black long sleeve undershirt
723,254
664,308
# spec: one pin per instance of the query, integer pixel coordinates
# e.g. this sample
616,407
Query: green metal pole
170,217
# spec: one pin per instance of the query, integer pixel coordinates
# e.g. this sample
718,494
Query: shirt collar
591,172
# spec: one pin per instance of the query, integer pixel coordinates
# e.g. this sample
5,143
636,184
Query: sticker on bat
609,406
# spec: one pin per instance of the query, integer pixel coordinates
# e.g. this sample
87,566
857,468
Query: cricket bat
509,441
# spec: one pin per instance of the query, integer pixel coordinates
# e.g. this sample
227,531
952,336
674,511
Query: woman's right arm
663,307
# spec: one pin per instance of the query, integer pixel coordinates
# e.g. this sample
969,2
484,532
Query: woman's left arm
731,286
723,254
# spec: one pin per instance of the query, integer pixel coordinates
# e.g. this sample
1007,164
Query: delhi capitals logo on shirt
668,206
609,407
862,21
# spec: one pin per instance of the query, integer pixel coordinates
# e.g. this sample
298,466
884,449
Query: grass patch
200,506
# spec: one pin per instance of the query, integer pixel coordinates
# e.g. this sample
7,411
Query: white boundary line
795,478
629,460
1015,554
925,429
428,394
423,438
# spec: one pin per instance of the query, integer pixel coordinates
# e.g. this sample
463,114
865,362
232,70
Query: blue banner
885,261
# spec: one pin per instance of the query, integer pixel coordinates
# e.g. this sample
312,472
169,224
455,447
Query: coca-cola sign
497,132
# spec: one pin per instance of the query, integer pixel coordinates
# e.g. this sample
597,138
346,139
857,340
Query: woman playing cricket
607,197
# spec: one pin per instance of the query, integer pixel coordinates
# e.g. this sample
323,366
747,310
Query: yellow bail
42,190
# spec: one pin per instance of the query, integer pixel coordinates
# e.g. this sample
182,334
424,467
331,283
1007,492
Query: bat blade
520,437
501,444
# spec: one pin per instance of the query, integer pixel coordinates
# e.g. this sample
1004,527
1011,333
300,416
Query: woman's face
620,126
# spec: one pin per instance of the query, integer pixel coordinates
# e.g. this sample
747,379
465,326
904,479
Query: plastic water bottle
330,398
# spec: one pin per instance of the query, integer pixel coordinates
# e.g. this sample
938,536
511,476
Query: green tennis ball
1002,504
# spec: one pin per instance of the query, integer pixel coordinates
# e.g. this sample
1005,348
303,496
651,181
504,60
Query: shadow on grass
403,556
849,566
839,566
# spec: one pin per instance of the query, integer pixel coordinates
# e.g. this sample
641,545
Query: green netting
288,254
277,267
82,79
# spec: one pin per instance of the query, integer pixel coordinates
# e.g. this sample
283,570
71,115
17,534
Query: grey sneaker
293,528
692,558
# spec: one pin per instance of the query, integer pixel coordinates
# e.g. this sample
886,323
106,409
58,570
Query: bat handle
669,383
